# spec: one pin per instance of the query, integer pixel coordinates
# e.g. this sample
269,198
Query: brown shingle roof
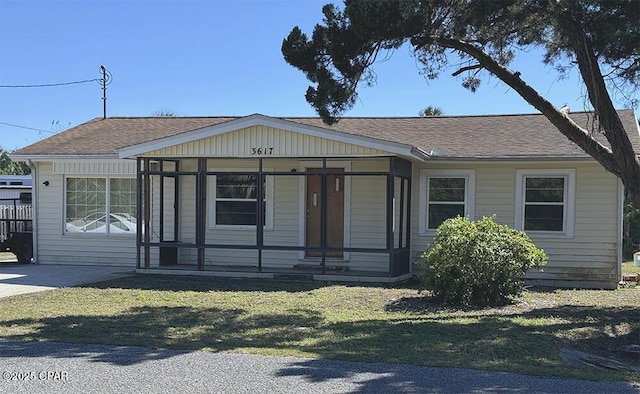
105,136
455,136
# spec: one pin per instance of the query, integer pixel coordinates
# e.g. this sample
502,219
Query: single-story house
261,196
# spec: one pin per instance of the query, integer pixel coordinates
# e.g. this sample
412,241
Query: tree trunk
609,121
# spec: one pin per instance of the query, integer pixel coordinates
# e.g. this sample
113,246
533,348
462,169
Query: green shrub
478,263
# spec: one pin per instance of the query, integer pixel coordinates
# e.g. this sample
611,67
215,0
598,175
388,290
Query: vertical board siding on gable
590,253
238,143
54,247
110,167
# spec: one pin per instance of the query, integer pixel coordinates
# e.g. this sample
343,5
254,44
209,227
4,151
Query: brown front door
335,211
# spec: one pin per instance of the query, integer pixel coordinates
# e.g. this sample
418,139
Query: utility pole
104,92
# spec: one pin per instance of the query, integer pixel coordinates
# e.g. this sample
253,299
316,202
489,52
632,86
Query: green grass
356,323
629,268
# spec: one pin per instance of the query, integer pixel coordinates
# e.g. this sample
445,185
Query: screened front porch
321,218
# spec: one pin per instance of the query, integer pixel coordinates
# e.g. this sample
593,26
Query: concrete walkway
30,278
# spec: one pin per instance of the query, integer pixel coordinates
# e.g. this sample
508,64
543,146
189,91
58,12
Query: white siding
368,215
55,247
590,255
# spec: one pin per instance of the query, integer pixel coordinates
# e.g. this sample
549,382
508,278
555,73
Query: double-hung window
100,205
235,201
445,194
544,201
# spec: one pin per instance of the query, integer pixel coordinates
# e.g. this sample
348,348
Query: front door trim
302,203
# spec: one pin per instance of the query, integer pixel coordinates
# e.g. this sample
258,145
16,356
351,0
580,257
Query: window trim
568,223
469,176
107,179
211,200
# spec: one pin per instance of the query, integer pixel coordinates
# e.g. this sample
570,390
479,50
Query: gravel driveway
48,367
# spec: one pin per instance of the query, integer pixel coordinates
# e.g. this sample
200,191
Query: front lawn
356,323
629,268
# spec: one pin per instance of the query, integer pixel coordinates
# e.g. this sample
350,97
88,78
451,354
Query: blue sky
204,58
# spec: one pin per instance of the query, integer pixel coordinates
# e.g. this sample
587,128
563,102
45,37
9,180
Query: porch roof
457,137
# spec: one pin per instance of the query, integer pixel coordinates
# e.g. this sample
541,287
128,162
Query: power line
28,128
51,84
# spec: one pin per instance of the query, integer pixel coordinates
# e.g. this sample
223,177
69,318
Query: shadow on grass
524,342
172,327
598,330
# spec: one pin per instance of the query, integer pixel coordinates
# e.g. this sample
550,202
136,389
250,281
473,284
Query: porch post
408,224
176,202
161,207
323,215
201,181
138,211
401,214
259,213
147,213
390,195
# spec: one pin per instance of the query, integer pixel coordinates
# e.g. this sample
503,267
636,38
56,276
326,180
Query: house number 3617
262,151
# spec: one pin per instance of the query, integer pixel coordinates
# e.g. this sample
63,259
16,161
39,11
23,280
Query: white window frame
108,232
423,197
269,203
569,176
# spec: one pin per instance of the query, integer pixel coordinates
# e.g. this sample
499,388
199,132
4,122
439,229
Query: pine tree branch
467,68
563,123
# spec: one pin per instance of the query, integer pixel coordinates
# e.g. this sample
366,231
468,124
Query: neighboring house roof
487,136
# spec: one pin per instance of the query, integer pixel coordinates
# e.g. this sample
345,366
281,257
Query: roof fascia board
527,160
45,157
513,158
262,120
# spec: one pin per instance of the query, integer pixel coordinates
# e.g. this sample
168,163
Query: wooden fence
15,218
